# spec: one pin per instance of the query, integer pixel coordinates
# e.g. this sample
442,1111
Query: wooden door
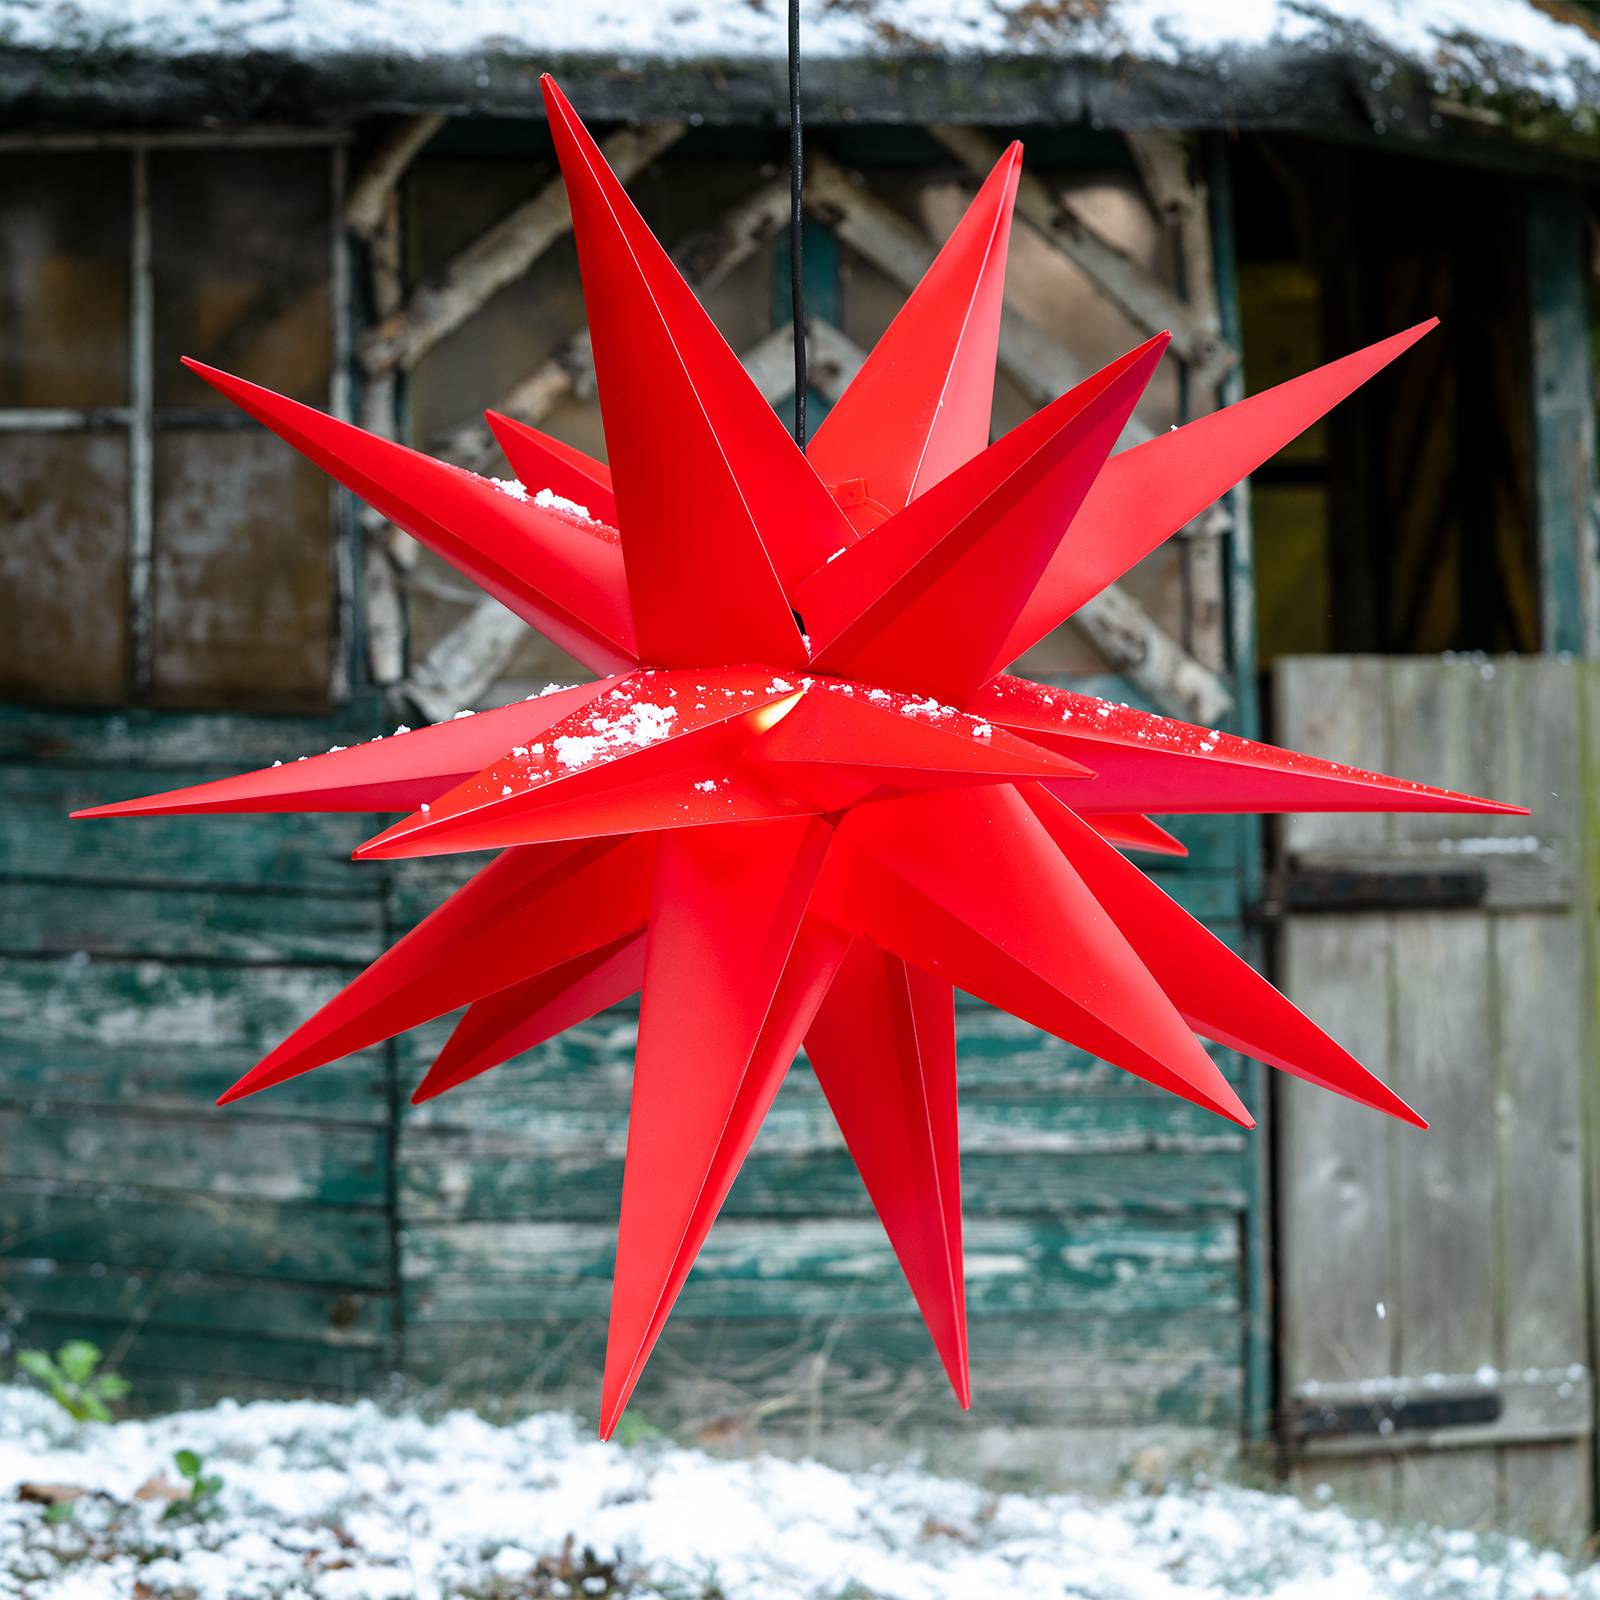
1435,1299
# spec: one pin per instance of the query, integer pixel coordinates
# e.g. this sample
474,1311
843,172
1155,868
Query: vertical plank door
1434,1286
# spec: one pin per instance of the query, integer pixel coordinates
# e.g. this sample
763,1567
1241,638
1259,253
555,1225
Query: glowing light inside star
788,837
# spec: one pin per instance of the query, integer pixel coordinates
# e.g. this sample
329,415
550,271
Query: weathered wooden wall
140,968
1435,1288
326,1235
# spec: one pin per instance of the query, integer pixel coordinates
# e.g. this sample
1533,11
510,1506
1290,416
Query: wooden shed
359,207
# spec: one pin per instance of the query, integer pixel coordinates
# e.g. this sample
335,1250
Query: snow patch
640,725
549,500
335,1502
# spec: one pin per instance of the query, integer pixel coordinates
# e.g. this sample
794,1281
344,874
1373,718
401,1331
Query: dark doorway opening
1404,523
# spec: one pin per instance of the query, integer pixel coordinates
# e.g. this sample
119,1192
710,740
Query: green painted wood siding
324,1234
141,965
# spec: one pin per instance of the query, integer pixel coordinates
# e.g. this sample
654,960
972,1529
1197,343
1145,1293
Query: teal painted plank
91,1226
159,1303
241,925
1563,416
276,852
289,1366
208,1154
835,1370
106,740
820,283
93,1080
1064,1124
446,1179
1101,1266
110,1034
591,1065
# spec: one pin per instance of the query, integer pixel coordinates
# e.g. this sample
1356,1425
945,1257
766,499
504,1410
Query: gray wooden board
1472,1237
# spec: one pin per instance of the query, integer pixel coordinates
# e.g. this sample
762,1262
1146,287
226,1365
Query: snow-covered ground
330,1502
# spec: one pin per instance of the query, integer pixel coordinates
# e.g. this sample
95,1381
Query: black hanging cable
797,292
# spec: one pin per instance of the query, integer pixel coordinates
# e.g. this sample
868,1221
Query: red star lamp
805,801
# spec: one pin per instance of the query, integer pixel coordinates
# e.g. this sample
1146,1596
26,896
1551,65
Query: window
158,546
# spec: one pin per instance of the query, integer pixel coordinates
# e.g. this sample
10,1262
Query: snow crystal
459,715
401,728
1494,844
510,486
549,500
707,785
350,1502
983,730
641,724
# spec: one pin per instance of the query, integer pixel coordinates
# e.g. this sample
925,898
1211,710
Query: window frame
137,419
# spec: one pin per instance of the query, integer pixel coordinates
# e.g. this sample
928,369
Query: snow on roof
1534,51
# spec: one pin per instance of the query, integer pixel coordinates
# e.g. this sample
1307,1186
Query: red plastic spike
925,602
1130,831
901,740
703,470
858,890
557,572
657,751
543,462
1146,762
1218,994
728,902
1005,898
406,770
1146,494
517,1018
527,911
883,1046
920,405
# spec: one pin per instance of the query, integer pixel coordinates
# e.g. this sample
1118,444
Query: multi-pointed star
807,801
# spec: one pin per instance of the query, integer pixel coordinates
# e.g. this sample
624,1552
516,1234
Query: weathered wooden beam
1183,202
832,360
705,259
1131,639
902,252
1125,633
1148,302
367,204
498,257
1138,646
387,552
467,660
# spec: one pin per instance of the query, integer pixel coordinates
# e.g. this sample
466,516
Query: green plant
59,1512
635,1430
74,1381
204,1487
